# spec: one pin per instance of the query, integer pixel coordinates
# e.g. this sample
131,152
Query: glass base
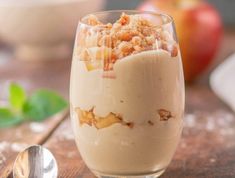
147,175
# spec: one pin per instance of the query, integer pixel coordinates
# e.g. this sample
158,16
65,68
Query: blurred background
36,45
45,30
225,8
34,33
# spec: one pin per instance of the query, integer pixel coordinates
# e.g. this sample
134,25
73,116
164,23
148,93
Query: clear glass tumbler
127,93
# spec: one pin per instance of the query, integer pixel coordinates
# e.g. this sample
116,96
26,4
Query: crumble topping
103,44
89,118
164,115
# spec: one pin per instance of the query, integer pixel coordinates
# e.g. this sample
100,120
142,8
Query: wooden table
206,150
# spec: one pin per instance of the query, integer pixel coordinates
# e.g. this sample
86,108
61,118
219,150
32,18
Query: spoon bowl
35,162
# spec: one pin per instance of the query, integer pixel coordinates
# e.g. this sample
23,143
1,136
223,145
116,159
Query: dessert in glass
127,93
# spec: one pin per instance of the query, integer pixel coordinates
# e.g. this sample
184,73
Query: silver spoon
35,162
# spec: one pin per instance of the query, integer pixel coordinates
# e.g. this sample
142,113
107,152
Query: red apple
199,31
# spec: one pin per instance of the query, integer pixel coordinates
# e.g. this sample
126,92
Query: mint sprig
17,97
40,105
43,104
8,118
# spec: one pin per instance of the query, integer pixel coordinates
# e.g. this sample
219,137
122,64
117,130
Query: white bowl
43,29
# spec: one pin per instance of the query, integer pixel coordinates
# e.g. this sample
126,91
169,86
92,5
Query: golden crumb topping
89,118
103,44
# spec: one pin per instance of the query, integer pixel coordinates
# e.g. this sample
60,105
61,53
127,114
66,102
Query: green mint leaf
43,104
17,97
7,118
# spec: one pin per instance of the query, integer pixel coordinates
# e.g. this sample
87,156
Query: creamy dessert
127,96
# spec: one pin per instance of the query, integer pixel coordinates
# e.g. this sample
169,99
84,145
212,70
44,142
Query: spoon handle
35,163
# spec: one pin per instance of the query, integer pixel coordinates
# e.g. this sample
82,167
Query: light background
225,7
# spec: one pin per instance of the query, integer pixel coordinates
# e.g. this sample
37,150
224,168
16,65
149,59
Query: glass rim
134,12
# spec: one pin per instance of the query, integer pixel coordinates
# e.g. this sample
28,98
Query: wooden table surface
206,150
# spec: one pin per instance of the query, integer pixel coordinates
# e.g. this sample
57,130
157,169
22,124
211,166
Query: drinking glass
127,93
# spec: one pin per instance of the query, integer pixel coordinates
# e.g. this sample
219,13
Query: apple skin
199,30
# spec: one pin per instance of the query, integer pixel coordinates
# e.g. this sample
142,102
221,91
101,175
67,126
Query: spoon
35,162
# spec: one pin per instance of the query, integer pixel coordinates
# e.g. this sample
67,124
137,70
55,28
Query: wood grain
206,150
19,137
32,75
207,147
52,74
63,146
